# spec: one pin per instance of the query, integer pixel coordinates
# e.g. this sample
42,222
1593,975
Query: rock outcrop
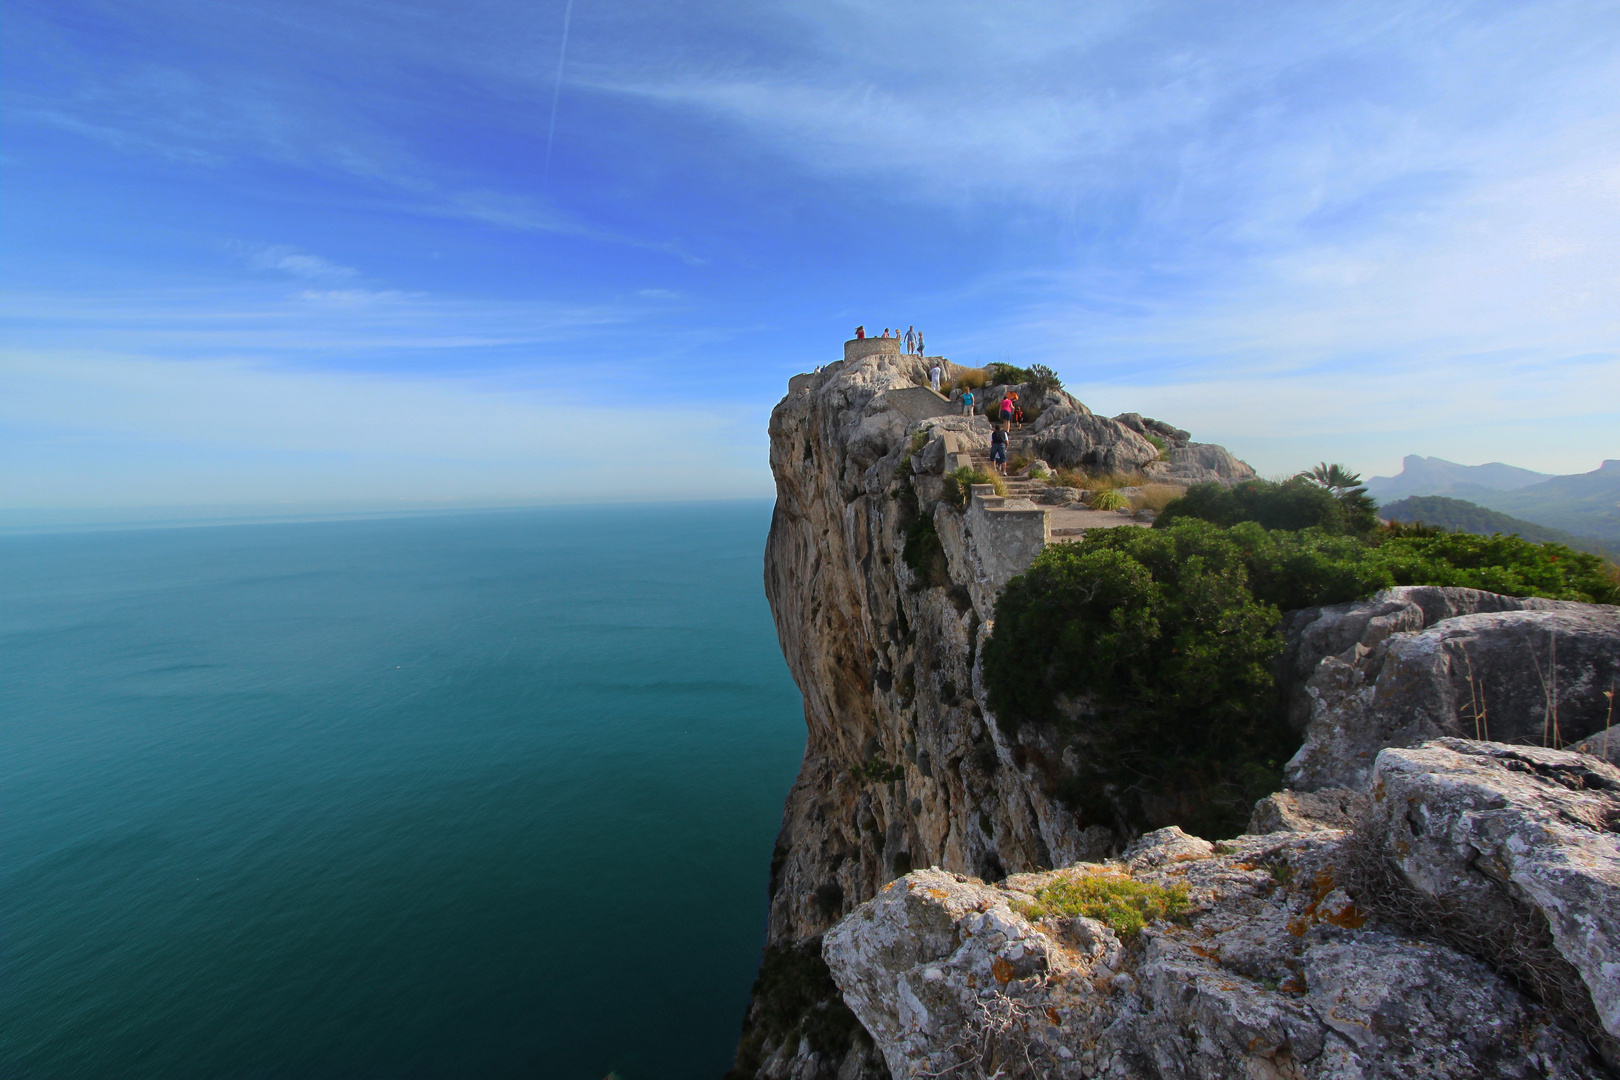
1273,970
1418,663
884,591
903,767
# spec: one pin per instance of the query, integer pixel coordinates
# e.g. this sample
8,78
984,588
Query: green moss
1124,904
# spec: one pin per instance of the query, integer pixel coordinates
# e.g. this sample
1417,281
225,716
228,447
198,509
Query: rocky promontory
906,934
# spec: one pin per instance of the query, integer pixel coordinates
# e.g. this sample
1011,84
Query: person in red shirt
860,333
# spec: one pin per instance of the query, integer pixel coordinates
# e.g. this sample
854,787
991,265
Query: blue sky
354,253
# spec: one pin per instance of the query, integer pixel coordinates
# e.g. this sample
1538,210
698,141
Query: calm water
480,796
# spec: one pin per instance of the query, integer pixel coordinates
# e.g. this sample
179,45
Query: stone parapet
861,348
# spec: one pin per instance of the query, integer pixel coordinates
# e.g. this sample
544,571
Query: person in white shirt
934,376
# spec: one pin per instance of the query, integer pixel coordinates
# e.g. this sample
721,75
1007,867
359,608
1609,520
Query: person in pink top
860,333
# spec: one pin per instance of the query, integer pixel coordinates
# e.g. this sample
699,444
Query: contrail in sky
556,93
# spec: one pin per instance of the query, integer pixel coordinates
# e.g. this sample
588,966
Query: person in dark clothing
998,448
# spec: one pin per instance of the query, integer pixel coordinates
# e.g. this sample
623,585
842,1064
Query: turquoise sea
486,795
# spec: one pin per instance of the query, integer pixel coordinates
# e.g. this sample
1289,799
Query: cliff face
905,769
901,769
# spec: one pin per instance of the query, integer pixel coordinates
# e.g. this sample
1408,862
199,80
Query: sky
357,254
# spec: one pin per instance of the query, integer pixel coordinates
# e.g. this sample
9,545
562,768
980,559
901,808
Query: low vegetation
924,553
1124,904
1464,516
959,484
1099,481
1299,503
1151,651
1107,499
795,998
970,378
1156,497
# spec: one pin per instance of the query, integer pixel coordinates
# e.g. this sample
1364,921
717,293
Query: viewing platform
861,348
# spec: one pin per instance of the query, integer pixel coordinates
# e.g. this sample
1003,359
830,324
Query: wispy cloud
289,260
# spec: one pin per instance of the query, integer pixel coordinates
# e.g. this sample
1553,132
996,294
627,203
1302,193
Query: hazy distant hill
1437,476
1587,504
1470,517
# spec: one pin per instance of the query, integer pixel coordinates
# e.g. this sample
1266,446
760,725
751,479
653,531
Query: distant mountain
1586,504
1470,517
1437,476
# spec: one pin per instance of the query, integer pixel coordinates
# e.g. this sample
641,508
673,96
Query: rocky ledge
1416,908
1295,955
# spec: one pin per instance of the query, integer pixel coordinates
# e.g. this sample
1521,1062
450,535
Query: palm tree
1336,478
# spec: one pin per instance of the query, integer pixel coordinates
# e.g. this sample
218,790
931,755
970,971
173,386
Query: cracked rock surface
1273,973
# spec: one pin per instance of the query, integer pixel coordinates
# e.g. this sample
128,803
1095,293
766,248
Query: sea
476,795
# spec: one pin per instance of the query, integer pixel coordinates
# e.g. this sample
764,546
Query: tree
1335,478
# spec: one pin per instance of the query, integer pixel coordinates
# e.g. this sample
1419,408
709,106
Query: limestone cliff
883,591
901,769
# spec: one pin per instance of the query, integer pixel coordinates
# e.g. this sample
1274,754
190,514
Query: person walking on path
934,376
1008,408
911,339
998,449
967,402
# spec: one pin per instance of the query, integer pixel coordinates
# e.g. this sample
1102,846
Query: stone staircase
1016,488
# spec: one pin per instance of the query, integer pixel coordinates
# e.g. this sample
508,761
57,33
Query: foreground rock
903,765
1422,662
1274,971
1510,844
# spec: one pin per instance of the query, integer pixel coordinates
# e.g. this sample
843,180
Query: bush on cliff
1299,503
959,484
1151,650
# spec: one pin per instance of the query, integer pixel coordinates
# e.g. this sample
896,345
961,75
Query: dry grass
1108,499
1156,497
970,378
1124,904
1103,481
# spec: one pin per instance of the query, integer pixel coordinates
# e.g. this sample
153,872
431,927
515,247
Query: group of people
913,338
1003,415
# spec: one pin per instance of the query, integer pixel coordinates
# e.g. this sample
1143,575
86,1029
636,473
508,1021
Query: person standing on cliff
919,343
967,402
860,333
998,448
911,339
934,376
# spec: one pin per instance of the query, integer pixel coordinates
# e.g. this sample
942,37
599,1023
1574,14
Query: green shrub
1107,499
1042,380
1159,639
924,553
1151,650
795,997
1293,504
959,484
879,771
1124,904
1007,374
1158,443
